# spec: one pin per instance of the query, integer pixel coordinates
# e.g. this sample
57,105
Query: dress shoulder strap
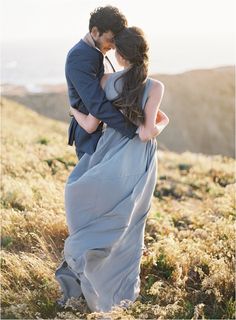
146,91
110,89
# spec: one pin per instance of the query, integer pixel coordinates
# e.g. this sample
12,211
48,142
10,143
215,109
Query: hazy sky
24,19
183,34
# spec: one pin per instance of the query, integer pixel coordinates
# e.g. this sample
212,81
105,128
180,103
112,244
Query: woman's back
150,101
112,87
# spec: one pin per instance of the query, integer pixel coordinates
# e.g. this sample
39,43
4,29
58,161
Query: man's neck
89,40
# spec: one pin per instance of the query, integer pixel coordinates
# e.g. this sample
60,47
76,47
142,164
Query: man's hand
161,122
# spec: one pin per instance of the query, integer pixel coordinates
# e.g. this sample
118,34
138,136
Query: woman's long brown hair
132,46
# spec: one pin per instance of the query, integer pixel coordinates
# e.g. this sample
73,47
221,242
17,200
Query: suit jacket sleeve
82,71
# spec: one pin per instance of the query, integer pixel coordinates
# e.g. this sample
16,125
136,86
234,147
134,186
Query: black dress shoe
61,302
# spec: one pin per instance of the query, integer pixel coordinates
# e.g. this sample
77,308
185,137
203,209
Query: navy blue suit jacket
84,69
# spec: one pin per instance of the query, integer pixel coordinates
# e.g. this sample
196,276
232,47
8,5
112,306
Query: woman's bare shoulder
104,79
157,87
108,76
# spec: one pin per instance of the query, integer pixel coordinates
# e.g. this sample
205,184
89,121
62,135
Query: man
84,69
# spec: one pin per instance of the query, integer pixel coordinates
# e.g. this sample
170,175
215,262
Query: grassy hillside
199,103
187,270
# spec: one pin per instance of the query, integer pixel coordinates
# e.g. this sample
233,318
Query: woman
108,194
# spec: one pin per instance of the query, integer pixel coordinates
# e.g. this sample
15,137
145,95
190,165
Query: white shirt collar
89,40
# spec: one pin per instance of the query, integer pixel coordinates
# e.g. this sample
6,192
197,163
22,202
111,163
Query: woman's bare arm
88,122
155,120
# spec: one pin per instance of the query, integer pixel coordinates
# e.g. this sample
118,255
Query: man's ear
95,32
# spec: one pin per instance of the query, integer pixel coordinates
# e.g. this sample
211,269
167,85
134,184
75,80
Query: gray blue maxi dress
107,199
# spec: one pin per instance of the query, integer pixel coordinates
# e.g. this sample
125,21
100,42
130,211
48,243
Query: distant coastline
59,86
34,62
199,104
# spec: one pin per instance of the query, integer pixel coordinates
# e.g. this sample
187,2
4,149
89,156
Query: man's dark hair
107,18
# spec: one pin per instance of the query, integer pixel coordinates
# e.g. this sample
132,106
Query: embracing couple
114,125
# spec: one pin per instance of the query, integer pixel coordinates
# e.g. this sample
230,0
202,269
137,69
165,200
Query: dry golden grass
188,268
